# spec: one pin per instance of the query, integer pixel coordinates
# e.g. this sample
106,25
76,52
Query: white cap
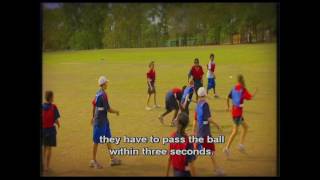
202,92
102,80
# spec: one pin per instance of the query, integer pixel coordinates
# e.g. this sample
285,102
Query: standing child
187,97
173,98
196,72
182,164
50,116
202,127
151,78
100,122
238,94
211,75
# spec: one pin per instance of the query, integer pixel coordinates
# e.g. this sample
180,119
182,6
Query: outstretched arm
110,110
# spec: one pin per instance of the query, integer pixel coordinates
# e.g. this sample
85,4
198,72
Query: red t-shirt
196,72
237,111
151,74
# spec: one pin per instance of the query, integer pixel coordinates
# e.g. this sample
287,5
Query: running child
151,78
173,98
100,122
187,97
50,117
182,164
196,72
201,127
211,75
238,94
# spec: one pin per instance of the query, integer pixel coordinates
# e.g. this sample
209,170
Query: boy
182,164
196,72
173,98
100,122
238,94
151,78
187,97
211,75
202,127
50,116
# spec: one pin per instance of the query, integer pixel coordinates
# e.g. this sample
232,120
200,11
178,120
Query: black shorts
153,90
178,173
49,137
171,103
238,120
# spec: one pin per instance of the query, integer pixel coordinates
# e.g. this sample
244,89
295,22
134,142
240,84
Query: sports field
73,76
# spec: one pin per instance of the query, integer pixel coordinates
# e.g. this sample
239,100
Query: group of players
177,100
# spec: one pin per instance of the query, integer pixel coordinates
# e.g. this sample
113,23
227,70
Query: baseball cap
202,92
102,80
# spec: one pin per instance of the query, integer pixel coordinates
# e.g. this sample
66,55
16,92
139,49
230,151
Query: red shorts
206,145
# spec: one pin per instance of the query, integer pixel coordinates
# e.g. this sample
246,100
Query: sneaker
148,108
226,152
115,162
161,119
241,148
219,172
95,164
156,106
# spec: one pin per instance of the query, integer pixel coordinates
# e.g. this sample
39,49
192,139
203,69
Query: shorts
171,103
211,83
197,84
49,137
178,173
206,145
238,120
103,130
153,90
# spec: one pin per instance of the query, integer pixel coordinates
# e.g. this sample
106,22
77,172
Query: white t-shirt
209,73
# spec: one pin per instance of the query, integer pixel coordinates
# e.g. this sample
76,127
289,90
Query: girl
201,127
211,75
182,164
173,98
238,94
196,72
151,78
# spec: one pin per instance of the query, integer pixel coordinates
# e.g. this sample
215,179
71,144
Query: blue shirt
101,108
188,90
203,114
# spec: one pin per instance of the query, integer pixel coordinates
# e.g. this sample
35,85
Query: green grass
73,75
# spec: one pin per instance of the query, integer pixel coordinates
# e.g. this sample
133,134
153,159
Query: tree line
74,26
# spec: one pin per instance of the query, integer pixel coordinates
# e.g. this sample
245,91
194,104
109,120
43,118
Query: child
187,97
100,122
238,94
173,98
151,77
50,116
211,75
202,127
196,72
182,164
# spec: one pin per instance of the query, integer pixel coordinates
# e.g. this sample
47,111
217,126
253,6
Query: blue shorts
103,130
211,83
178,173
49,137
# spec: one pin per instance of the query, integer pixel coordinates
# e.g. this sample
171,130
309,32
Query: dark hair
182,123
241,80
212,55
151,63
49,96
196,61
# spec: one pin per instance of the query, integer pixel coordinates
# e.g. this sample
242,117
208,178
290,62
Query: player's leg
48,157
148,99
45,168
243,135
234,132
97,132
217,169
94,151
174,117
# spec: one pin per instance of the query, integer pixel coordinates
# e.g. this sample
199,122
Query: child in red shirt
151,78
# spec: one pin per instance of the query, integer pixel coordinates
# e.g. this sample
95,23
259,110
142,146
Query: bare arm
168,166
93,110
228,103
110,110
58,123
149,82
214,123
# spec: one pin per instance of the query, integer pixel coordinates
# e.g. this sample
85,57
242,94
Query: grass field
73,77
